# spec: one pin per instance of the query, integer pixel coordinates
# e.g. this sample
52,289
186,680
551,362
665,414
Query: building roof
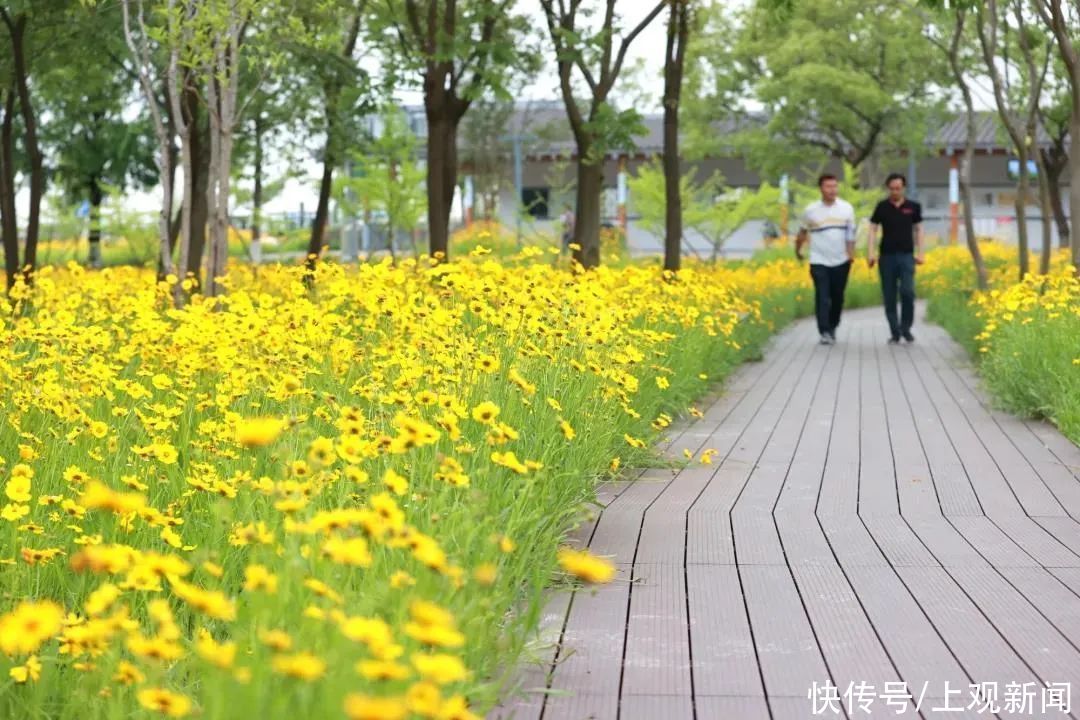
546,121
545,131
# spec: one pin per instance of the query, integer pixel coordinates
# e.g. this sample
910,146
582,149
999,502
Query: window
536,201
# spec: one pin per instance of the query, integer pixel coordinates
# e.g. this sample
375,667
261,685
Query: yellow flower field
1025,335
342,503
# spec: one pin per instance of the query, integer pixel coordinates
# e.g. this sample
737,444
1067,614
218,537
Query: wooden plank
877,476
1061,482
743,708
657,657
1065,530
619,526
1025,483
724,659
652,707
839,493
1058,444
524,700
786,647
1042,646
1037,542
994,545
996,496
1051,597
848,642
710,539
915,487
921,655
974,640
953,488
754,527
582,706
590,658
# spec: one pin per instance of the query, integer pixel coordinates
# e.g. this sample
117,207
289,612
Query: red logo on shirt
907,211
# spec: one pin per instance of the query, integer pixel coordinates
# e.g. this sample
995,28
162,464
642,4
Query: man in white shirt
829,226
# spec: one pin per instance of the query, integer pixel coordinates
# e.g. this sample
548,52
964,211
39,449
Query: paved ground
868,520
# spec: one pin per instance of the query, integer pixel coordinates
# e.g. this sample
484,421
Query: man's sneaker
825,339
908,336
894,340
832,338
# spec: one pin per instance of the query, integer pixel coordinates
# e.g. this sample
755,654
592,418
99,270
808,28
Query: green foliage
386,177
710,207
1029,365
836,79
92,138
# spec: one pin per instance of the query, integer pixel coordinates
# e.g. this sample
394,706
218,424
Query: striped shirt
831,228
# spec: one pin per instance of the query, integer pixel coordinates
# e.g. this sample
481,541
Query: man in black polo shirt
901,250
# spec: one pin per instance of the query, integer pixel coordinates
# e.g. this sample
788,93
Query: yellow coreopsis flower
585,566
165,702
30,671
258,432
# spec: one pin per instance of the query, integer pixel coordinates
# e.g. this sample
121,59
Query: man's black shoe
908,336
894,340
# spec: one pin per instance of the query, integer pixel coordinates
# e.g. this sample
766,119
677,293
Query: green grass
1028,362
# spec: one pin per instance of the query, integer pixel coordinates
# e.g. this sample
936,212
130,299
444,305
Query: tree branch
625,45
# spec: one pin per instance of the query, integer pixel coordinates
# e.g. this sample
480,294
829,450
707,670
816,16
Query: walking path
868,519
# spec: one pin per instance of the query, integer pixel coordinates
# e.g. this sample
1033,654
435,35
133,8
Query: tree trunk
213,196
322,210
93,237
1074,174
590,185
1021,212
199,143
257,195
441,180
1055,163
952,52
674,59
17,30
981,276
1047,249
332,153
9,224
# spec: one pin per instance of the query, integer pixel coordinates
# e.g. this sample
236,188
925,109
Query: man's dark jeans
829,285
898,272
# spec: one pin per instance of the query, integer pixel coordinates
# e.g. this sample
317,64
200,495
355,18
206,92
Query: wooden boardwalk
868,519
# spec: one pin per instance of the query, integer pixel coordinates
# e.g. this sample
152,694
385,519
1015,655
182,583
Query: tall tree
1019,116
9,225
678,34
837,79
333,30
459,49
16,18
949,33
1062,18
591,56
140,43
1055,117
93,143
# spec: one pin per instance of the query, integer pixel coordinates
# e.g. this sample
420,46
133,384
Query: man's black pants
898,271
829,285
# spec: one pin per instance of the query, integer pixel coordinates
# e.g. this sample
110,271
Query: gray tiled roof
547,132
546,122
